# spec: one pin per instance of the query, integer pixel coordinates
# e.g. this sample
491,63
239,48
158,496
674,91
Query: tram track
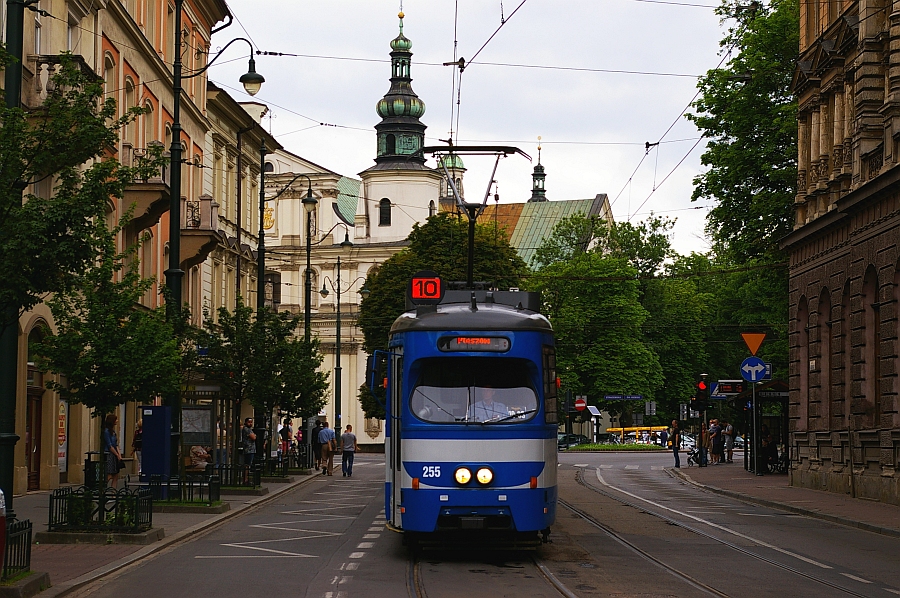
416,585
672,521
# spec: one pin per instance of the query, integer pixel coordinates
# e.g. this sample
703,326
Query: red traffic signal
702,385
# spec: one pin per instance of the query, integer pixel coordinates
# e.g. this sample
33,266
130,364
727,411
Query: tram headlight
484,476
463,475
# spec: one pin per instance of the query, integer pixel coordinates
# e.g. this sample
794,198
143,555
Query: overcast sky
594,125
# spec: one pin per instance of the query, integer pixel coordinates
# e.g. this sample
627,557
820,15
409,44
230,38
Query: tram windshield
474,390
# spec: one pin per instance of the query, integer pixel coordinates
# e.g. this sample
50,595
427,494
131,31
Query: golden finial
400,14
539,149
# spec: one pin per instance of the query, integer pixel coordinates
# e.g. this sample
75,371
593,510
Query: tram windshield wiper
512,416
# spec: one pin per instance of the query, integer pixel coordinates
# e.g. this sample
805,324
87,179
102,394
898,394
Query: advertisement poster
62,439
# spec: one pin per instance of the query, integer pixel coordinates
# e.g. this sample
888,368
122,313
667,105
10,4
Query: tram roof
488,314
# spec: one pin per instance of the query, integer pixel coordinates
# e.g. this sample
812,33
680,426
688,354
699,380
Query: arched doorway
33,415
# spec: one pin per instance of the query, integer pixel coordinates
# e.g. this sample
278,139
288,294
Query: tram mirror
376,370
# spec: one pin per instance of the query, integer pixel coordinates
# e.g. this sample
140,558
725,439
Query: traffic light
701,392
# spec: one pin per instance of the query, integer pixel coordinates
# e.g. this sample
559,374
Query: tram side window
474,390
550,415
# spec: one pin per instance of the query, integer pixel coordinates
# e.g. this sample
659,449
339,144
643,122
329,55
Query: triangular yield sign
753,340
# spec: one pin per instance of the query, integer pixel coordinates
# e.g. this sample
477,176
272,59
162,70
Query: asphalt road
662,537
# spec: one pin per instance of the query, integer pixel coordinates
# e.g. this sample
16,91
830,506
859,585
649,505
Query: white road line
892,591
376,529
632,467
357,555
345,579
371,536
657,467
855,578
580,465
606,467
352,566
717,526
256,556
365,545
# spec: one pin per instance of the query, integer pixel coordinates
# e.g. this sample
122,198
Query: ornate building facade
844,252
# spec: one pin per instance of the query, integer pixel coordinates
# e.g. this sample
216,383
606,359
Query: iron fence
199,489
276,468
300,457
17,558
107,510
240,475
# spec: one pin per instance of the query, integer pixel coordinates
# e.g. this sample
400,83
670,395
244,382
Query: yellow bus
635,433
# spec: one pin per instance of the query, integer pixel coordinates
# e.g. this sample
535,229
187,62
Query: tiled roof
528,224
348,193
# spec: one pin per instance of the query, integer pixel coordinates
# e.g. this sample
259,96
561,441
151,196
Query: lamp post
9,325
251,81
346,245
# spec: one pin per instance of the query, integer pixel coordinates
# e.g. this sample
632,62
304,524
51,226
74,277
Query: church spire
538,192
400,133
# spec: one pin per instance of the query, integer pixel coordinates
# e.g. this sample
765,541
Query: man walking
348,442
326,438
729,441
675,437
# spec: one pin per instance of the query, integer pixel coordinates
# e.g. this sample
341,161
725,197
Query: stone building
844,254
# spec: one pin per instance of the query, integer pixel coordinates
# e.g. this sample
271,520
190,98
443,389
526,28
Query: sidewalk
772,490
73,565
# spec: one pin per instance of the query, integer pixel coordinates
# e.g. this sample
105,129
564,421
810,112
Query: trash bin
93,470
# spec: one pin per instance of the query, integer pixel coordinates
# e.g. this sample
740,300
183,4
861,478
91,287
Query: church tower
399,190
400,133
538,192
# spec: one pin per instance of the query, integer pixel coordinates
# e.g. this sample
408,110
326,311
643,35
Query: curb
71,585
150,536
25,588
885,531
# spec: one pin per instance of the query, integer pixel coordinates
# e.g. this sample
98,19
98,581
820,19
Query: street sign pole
759,466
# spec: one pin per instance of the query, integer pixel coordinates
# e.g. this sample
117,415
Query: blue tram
471,419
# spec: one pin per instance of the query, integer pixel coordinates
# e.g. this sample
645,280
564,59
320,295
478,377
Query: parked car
739,442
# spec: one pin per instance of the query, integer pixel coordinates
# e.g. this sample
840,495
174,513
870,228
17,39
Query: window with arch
431,209
390,144
823,321
803,326
269,167
872,339
130,102
384,212
110,79
149,123
846,358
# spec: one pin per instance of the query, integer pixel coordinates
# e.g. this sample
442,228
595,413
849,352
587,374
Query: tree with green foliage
47,241
593,303
109,349
439,245
263,360
749,115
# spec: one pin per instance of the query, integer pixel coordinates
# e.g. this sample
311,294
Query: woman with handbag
114,463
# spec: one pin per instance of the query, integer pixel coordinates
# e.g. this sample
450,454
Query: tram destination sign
495,344
425,288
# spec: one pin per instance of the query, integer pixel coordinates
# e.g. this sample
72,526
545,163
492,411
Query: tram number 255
431,471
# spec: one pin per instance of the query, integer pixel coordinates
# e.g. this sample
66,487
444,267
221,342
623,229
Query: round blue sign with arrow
753,369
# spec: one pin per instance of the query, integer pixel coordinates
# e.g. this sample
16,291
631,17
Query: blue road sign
613,397
718,397
768,374
753,369
713,386
634,397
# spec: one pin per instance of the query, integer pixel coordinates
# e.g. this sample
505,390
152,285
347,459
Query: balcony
150,197
40,68
200,233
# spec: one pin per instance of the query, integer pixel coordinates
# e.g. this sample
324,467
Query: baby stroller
693,457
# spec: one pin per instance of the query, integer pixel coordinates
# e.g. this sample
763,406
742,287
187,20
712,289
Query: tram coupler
545,536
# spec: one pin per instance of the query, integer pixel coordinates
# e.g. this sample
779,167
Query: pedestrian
113,457
287,434
327,440
729,441
707,446
664,438
676,441
137,443
348,442
716,444
248,442
316,445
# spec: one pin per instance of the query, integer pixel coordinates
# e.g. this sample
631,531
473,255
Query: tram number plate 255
431,471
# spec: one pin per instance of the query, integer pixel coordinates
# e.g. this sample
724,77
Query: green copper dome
398,105
452,161
401,43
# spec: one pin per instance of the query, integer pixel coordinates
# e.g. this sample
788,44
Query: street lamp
346,246
174,274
